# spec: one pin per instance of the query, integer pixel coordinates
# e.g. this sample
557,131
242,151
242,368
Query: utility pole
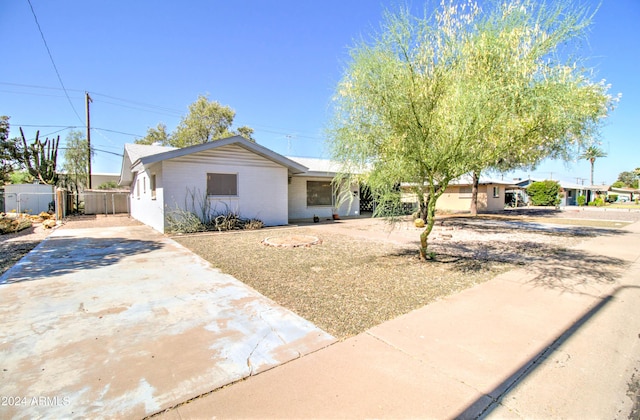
88,100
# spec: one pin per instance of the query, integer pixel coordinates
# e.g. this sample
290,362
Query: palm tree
591,154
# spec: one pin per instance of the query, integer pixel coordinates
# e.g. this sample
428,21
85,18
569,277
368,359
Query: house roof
624,190
467,179
138,155
138,151
565,185
319,167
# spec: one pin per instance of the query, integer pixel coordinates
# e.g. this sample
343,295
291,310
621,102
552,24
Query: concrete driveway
124,322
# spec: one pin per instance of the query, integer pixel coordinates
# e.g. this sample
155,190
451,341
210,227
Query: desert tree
430,99
155,135
538,97
401,115
76,162
7,163
206,121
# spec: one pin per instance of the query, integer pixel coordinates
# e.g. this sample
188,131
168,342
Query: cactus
40,158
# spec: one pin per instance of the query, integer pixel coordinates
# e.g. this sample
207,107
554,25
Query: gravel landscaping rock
366,272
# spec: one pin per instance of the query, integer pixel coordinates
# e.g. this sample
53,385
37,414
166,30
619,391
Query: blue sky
275,62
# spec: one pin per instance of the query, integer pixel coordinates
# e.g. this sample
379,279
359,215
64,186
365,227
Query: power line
52,61
166,111
37,86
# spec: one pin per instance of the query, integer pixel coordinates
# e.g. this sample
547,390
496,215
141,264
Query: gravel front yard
364,273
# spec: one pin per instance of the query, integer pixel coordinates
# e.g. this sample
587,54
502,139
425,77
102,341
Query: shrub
612,198
581,200
14,224
599,201
544,193
182,221
109,185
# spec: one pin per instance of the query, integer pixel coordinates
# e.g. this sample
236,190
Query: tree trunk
474,193
431,218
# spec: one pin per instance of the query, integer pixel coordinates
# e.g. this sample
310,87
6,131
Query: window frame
496,191
152,186
465,192
311,203
211,193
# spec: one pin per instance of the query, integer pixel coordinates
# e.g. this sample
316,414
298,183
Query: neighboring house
231,174
491,194
571,192
457,196
624,194
312,193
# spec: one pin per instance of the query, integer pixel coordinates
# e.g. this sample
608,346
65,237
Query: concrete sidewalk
523,345
123,322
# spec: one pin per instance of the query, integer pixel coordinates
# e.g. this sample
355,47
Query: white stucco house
311,193
230,174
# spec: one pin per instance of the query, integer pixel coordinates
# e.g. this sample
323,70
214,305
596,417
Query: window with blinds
222,184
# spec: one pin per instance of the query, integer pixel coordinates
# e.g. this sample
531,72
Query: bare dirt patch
14,246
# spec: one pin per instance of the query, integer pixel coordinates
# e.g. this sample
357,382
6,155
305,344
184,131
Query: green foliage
157,135
581,200
38,158
626,179
428,100
598,202
197,215
612,198
206,121
544,193
109,185
7,164
246,132
591,154
20,177
76,159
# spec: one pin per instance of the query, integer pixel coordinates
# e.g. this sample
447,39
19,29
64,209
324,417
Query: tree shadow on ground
545,264
59,256
509,226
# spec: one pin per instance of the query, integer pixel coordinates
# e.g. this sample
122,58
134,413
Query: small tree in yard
544,193
460,91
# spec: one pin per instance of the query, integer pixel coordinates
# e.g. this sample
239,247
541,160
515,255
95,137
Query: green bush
544,193
599,201
581,200
612,198
109,185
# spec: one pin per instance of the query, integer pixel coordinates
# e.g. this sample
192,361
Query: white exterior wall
143,207
262,183
298,208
